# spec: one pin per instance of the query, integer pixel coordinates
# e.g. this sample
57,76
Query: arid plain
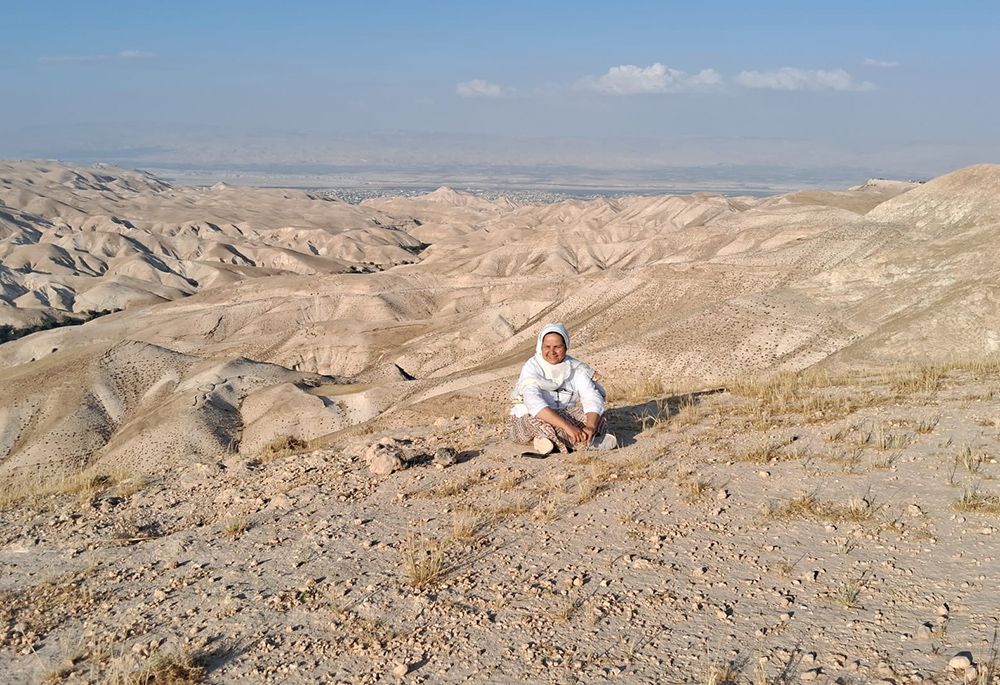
806,388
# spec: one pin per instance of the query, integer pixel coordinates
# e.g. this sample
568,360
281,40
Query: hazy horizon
810,94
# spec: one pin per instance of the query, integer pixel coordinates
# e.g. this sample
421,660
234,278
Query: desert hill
132,239
682,291
186,484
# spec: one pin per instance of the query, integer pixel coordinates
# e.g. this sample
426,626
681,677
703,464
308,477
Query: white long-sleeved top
578,387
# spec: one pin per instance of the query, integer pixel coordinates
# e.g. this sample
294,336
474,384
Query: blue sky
904,86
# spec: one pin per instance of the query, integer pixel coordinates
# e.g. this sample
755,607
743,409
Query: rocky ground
811,528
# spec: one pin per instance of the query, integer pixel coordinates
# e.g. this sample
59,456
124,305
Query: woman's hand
577,435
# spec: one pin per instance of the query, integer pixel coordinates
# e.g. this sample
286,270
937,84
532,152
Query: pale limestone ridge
135,240
684,290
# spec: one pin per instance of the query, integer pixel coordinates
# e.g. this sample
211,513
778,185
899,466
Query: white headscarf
559,373
552,376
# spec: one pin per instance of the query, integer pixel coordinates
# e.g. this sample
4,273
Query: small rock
383,459
401,670
959,662
281,501
809,658
971,674
925,631
914,510
445,457
811,674
943,610
721,494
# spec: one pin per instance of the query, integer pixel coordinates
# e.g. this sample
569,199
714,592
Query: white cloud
135,54
123,55
880,63
478,88
789,78
629,79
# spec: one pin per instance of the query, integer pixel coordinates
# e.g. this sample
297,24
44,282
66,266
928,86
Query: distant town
521,196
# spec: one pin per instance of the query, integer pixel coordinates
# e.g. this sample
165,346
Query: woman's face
553,348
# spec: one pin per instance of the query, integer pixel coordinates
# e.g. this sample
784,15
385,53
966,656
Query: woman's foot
543,445
604,442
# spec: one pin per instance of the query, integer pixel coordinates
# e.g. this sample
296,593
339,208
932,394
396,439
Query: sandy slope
821,541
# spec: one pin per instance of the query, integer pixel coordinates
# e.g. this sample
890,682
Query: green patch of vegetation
10,333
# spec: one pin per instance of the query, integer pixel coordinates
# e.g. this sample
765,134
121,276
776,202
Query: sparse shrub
969,459
974,501
636,392
848,594
587,489
423,560
720,673
925,378
235,526
465,524
810,507
282,446
162,669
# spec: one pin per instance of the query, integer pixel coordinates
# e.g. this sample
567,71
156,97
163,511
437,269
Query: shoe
543,445
604,442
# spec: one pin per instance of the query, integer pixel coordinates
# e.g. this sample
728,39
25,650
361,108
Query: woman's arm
591,399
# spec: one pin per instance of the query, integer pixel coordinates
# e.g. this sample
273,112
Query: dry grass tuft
811,508
519,506
925,378
969,459
85,483
423,560
927,425
636,392
694,490
466,524
720,673
163,669
235,526
587,489
768,452
849,459
849,594
282,446
884,440
976,502
564,610
454,487
510,481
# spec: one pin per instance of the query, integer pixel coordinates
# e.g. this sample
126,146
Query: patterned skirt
524,429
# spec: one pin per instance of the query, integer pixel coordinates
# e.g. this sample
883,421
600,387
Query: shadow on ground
629,421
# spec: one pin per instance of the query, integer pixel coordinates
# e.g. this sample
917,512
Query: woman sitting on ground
546,395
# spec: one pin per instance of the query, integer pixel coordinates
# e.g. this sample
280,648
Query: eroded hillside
677,291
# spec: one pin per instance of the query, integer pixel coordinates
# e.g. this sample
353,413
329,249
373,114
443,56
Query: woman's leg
524,429
578,418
